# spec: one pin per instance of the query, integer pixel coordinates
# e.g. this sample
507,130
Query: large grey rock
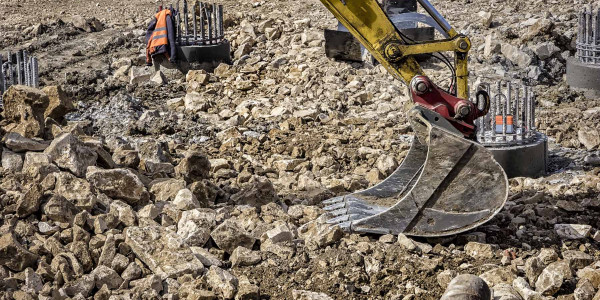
77,190
11,161
163,251
589,137
572,231
59,104
549,281
24,110
229,235
318,235
195,226
257,192
13,255
520,284
515,55
533,268
166,190
480,250
577,259
222,282
105,275
118,183
30,201
186,200
59,209
18,143
505,291
193,167
243,256
69,153
37,166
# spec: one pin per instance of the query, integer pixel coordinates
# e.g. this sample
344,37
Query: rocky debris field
121,182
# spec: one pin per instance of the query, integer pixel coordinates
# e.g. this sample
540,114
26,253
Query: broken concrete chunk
24,107
166,190
118,183
243,256
195,226
193,167
229,235
480,250
222,282
572,231
13,255
308,295
163,251
105,275
59,104
19,143
185,200
68,152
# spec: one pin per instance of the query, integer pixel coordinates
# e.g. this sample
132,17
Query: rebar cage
199,23
588,37
511,119
19,68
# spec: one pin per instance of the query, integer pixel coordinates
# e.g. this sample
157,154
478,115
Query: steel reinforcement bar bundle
588,37
19,68
200,24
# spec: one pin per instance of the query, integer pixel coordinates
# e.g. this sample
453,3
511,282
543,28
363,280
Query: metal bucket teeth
445,185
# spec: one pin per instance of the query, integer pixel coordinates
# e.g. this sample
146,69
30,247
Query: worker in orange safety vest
160,37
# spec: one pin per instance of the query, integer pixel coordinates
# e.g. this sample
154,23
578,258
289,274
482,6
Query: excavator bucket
446,185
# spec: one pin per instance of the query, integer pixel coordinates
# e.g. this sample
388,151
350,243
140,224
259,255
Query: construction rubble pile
121,182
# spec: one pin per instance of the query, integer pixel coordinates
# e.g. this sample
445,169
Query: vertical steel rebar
178,23
580,33
26,74
185,21
202,20
221,31
35,71
19,61
516,121
209,21
597,38
588,38
532,110
524,113
194,20
215,12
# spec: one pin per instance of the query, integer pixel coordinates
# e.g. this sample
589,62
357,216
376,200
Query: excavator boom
447,183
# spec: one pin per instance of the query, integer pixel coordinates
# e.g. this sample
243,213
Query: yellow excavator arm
371,26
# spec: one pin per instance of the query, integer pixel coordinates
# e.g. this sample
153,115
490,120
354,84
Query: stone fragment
163,251
77,190
589,137
59,209
139,75
80,286
195,226
11,161
243,256
247,290
486,18
515,55
13,255
533,268
498,275
229,235
38,165
59,104
166,190
257,192
193,167
159,78
281,233
549,281
123,212
30,202
19,143
222,282
126,158
590,274
584,291
132,272
317,235
33,281
105,275
24,107
572,231
520,284
480,250
309,295
185,200
208,259
545,50
68,152
548,255
118,183
577,259
444,278
505,291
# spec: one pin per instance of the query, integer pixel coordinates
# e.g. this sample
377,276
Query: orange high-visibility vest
159,35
